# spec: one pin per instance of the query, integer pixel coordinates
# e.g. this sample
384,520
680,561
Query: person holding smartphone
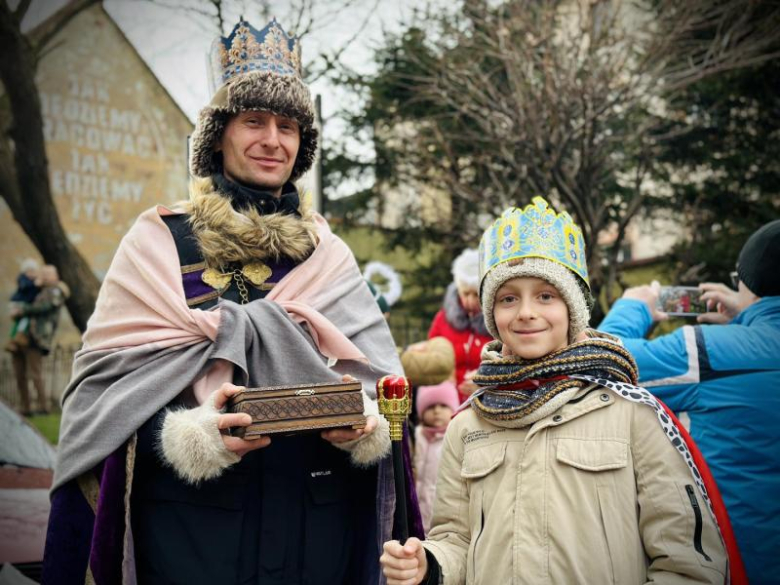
725,372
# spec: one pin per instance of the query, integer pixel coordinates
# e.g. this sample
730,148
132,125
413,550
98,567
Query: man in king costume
243,284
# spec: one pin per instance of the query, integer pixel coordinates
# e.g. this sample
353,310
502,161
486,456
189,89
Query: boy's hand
722,303
649,295
237,445
404,565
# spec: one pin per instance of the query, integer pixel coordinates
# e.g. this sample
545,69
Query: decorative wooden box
302,407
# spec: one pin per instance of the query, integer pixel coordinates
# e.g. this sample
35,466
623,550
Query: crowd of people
537,455
540,450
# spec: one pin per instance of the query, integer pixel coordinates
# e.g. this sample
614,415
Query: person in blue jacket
725,373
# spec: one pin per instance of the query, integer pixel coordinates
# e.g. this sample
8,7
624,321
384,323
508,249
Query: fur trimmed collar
225,235
457,316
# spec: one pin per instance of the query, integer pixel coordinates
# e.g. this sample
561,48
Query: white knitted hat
465,270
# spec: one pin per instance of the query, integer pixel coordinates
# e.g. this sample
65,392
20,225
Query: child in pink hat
435,407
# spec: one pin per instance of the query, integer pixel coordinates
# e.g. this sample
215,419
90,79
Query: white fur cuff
369,449
191,443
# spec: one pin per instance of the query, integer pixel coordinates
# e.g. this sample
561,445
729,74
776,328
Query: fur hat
444,393
759,261
465,270
259,70
429,362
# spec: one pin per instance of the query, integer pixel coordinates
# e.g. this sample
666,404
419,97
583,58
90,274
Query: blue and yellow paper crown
246,49
533,231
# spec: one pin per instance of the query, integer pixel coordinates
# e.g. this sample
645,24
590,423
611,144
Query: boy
560,471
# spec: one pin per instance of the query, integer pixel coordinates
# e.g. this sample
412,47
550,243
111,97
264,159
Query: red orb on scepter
394,398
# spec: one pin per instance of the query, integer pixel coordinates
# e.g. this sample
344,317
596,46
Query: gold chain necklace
256,273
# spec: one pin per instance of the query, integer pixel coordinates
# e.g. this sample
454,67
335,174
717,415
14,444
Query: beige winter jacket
592,493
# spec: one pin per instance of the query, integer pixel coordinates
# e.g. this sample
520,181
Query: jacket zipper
476,542
699,524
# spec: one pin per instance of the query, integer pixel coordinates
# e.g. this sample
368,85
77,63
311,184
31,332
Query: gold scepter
394,399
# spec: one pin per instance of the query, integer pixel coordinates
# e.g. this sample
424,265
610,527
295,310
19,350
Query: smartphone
681,301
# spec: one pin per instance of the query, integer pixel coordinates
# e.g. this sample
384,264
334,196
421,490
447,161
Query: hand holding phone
681,301
723,303
648,294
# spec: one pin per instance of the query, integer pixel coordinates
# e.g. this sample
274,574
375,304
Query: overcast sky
174,38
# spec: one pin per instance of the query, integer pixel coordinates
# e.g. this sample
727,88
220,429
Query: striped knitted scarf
513,388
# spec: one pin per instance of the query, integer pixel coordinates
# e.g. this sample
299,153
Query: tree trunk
596,277
30,197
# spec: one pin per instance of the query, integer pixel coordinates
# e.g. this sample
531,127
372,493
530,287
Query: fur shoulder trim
225,235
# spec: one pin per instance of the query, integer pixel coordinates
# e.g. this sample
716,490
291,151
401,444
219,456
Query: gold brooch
256,273
216,279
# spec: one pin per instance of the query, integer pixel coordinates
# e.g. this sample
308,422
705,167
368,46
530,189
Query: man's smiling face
259,149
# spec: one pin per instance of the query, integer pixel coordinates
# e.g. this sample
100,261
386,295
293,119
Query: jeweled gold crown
246,49
533,231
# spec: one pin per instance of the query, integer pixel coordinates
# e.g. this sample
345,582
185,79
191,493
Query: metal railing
56,374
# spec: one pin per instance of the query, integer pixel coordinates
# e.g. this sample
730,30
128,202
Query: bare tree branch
563,99
189,8
21,10
40,36
330,61
217,4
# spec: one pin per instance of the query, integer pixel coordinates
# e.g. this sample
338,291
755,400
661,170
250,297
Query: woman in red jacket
460,320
